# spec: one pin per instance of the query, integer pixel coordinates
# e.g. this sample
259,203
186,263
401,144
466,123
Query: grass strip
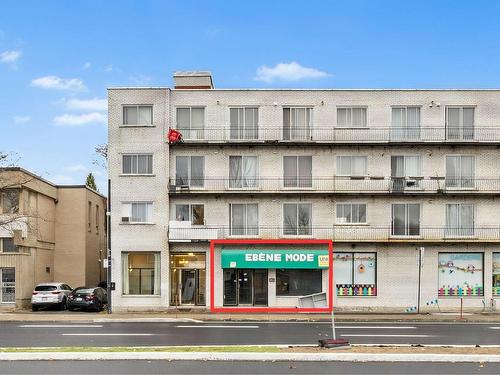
187,349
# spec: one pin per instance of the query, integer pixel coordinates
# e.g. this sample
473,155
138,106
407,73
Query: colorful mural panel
460,275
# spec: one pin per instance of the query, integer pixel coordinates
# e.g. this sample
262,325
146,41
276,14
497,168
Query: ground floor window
245,287
8,285
187,279
298,282
355,274
141,273
496,274
460,274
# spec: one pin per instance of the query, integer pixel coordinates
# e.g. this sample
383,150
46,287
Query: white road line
60,326
494,327
373,327
368,335
212,326
107,334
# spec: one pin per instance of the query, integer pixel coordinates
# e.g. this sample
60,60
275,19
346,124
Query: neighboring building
48,233
405,182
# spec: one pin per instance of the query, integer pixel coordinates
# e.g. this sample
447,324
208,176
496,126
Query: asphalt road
41,334
228,367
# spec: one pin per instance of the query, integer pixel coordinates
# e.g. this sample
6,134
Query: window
89,217
138,115
459,220
137,212
406,219
291,282
141,273
297,123
7,245
460,171
355,274
459,122
7,285
297,219
244,123
242,171
190,171
97,217
10,201
244,219
405,122
351,213
496,274
404,169
137,164
352,165
297,171
351,117
460,274
191,122
195,213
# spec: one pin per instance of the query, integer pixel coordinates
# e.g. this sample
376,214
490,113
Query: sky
58,57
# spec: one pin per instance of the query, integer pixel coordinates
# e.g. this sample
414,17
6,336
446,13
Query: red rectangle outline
214,309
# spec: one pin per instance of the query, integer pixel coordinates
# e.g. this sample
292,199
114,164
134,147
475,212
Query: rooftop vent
193,80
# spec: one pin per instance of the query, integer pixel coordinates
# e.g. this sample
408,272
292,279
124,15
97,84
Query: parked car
87,298
50,294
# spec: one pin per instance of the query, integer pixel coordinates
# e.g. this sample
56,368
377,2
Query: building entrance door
187,283
7,285
245,287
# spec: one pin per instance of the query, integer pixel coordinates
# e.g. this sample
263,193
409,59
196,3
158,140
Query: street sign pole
108,253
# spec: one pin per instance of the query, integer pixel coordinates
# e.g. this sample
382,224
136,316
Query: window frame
451,232
190,212
406,220
190,129
299,270
350,108
157,278
308,129
189,171
337,166
337,204
461,127
460,178
136,155
149,209
242,127
137,106
14,246
245,227
257,172
353,284
297,180
297,222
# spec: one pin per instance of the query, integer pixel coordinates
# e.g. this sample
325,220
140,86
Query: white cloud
108,68
21,119
61,179
58,83
287,72
87,65
80,120
140,79
95,104
77,168
10,57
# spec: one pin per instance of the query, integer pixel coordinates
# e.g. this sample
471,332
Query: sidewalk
172,315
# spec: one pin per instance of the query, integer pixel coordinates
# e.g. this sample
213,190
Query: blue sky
58,57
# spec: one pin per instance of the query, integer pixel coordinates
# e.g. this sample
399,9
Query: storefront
187,279
251,275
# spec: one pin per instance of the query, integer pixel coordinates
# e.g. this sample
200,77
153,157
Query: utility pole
421,251
108,253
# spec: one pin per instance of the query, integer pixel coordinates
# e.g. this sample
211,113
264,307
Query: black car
87,298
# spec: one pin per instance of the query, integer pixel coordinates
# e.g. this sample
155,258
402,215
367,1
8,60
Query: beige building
48,233
406,184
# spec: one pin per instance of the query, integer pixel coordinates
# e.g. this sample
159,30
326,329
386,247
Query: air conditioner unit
125,219
341,220
411,183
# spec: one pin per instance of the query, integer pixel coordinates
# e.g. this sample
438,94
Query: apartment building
48,233
405,183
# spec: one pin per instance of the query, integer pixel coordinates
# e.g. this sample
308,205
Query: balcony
339,185
338,135
339,233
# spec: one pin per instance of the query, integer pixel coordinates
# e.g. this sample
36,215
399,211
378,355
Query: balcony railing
339,233
349,185
331,134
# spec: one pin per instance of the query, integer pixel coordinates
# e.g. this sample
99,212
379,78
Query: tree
102,153
90,182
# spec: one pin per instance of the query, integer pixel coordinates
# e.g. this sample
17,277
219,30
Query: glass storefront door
187,279
7,285
245,287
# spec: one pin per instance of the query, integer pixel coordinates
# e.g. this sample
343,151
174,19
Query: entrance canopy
271,258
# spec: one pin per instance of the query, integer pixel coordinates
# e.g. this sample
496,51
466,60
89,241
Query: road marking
61,326
212,326
494,327
373,327
368,335
107,334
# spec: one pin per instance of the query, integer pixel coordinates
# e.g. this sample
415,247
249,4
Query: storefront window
187,279
141,273
298,282
496,274
7,285
355,274
460,274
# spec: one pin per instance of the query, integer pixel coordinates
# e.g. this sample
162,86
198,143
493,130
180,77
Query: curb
288,357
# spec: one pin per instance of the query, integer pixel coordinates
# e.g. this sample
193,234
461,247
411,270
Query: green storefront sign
304,259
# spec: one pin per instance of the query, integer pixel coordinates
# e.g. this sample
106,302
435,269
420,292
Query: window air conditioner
125,219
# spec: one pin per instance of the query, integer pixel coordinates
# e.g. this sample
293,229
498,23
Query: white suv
50,294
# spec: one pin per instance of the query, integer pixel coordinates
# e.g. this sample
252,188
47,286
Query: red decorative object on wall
174,136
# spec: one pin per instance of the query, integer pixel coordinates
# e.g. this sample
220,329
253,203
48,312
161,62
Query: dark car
87,298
